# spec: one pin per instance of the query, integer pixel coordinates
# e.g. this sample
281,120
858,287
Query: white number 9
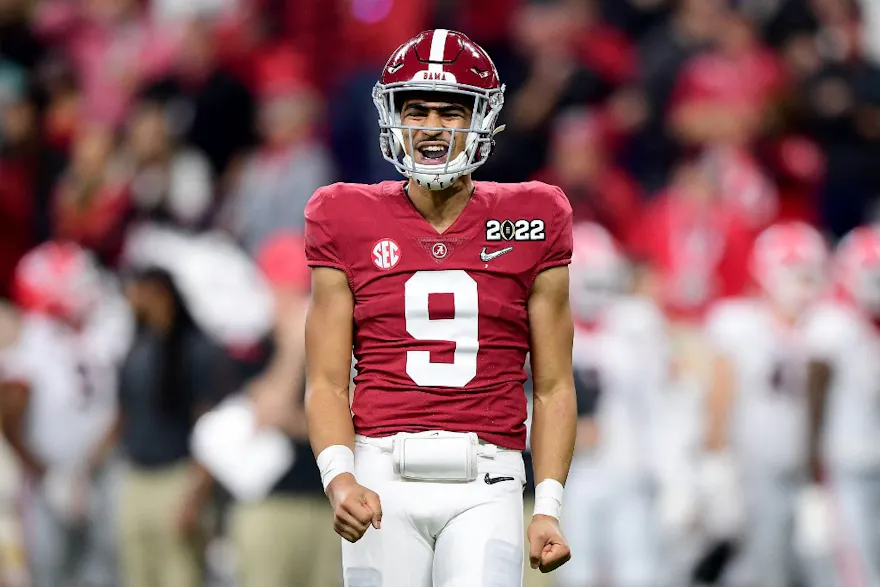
462,329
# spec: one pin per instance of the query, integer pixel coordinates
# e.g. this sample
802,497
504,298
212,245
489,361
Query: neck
441,207
159,321
785,316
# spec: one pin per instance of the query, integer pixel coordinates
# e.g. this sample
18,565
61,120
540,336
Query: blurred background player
756,443
172,374
621,369
58,403
285,539
845,440
611,100
442,304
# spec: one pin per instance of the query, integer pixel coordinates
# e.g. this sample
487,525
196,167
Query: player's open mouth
432,153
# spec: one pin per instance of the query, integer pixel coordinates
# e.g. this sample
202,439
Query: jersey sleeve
14,364
723,326
321,242
826,331
559,232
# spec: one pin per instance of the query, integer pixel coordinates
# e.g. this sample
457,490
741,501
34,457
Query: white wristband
333,461
548,498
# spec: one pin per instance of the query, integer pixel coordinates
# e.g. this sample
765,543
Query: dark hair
174,391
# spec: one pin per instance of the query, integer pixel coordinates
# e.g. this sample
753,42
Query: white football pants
767,557
439,534
857,497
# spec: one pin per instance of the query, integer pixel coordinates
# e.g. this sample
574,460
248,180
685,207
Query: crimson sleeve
559,233
321,243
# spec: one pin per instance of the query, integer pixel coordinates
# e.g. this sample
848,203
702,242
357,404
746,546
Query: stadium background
683,127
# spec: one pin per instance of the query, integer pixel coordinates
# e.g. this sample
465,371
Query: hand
813,522
355,508
676,510
82,493
547,547
187,516
272,407
67,494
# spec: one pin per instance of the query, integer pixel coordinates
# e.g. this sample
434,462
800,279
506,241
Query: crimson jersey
441,323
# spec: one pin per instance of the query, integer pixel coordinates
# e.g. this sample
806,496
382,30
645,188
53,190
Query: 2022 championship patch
519,230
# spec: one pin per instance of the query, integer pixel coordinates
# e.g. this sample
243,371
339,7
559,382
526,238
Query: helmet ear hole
486,149
385,145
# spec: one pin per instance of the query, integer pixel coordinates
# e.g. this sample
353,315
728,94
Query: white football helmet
789,262
60,279
857,267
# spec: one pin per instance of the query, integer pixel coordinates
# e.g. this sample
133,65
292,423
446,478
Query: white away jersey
72,377
624,360
769,416
841,336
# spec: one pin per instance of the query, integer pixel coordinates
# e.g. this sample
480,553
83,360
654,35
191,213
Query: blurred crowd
178,142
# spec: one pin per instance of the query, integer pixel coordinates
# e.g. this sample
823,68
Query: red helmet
58,279
438,61
789,262
857,266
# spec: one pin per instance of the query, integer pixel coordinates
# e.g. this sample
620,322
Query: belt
386,443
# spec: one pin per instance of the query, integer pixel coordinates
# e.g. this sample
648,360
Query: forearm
15,439
289,360
201,484
818,379
102,451
554,426
329,417
719,405
328,358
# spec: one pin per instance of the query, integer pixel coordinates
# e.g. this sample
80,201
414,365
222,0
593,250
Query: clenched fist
355,508
547,547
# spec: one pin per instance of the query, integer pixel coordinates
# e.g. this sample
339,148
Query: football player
757,405
845,395
58,401
444,286
621,364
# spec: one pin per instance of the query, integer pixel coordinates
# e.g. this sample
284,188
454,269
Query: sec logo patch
386,254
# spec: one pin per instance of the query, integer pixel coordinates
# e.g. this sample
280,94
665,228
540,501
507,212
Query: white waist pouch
436,456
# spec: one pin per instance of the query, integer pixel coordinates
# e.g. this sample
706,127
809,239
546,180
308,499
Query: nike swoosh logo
486,257
394,68
494,480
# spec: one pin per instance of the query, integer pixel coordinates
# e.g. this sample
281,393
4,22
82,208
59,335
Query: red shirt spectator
604,49
723,95
798,167
367,28
743,184
698,246
114,48
16,216
598,191
91,202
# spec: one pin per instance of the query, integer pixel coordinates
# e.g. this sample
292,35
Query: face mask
793,291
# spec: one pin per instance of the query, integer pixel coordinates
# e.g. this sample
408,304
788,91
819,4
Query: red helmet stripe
438,50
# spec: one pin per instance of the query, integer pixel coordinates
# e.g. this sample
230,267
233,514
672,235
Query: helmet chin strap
431,180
